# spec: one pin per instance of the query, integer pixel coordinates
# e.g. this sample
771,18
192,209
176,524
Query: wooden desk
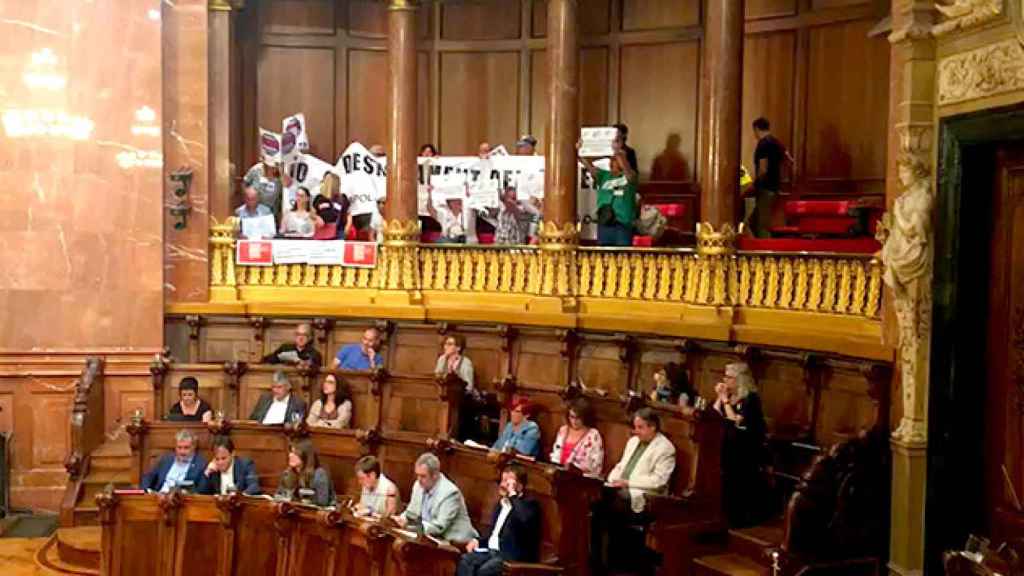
175,535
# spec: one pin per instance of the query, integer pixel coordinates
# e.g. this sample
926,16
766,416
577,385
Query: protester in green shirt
616,199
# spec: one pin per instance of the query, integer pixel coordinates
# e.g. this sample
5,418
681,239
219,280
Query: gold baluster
336,272
638,289
692,279
467,271
350,277
874,289
800,298
678,277
267,276
518,283
217,265
230,278
364,279
281,274
322,275
828,299
308,275
817,285
757,290
493,271
663,267
743,293
584,278
479,270
704,282
507,272
845,279
256,275
625,276
732,280
611,278
295,275
786,295
771,296
860,285
427,268
535,272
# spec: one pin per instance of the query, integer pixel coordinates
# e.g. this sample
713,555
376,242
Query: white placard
325,252
291,251
270,147
597,142
296,125
363,178
259,227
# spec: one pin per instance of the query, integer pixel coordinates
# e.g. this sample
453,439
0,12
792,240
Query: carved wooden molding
963,14
986,71
258,324
169,504
234,370
369,440
323,327
228,506
194,322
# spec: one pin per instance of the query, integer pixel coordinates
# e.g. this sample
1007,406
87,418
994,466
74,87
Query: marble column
908,299
722,113
224,141
560,170
400,267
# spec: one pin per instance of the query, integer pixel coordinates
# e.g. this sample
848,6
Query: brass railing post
223,284
717,278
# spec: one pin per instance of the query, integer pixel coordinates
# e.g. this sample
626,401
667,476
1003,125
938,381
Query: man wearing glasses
302,350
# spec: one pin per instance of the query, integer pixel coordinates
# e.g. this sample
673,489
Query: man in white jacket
645,468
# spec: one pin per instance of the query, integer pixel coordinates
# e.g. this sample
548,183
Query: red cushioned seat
671,210
430,236
485,238
818,208
643,241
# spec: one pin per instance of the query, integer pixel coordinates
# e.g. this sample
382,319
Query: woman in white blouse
578,442
451,361
334,408
379,494
300,222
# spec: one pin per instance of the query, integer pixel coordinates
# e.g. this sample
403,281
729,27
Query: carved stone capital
963,14
552,237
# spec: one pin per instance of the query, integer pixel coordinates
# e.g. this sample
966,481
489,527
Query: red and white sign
255,253
318,252
360,254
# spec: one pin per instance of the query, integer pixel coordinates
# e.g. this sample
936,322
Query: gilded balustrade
710,275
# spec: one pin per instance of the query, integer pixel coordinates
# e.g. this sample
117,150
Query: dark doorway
979,279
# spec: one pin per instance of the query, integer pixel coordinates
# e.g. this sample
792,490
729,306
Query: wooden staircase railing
87,433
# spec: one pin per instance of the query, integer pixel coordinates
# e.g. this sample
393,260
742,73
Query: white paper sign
258,227
292,251
270,146
325,252
296,126
363,178
597,142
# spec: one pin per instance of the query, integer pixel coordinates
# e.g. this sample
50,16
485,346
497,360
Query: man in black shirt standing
630,153
768,159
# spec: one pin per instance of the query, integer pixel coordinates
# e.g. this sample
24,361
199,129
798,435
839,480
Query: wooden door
1004,399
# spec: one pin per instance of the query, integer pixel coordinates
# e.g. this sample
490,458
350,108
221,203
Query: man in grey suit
437,504
279,406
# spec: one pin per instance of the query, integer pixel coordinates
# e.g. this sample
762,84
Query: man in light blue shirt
177,468
362,356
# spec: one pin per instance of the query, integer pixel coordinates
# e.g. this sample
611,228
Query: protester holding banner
616,199
299,223
623,135
266,179
252,208
484,150
427,151
513,219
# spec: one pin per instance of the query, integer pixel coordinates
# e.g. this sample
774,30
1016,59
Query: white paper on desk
597,142
407,534
258,227
475,444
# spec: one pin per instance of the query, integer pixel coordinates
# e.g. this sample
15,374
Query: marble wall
81,221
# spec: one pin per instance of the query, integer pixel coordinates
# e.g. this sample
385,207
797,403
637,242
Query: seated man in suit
645,468
227,471
279,405
515,529
437,504
302,350
183,467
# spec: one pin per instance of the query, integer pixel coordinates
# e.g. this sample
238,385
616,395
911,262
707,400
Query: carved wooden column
225,112
557,234
722,112
910,178
400,256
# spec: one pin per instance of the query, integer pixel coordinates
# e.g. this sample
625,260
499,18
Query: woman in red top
578,442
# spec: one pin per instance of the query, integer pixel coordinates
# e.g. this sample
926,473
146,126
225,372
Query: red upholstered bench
485,238
826,218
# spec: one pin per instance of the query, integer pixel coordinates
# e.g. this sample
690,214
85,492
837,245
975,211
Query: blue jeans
616,234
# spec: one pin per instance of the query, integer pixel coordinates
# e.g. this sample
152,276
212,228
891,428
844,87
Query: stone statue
906,231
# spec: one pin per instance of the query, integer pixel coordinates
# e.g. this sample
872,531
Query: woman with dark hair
672,384
334,407
452,361
428,151
578,442
190,407
305,473
299,223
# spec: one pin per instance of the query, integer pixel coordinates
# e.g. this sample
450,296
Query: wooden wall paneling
256,532
367,88
769,68
599,364
658,86
593,80
412,405
400,457
298,17
484,348
479,100
124,394
594,17
847,94
785,398
481,20
298,79
6,412
827,4
539,360
756,9
199,524
365,404
658,14
416,349
367,18
222,340
846,409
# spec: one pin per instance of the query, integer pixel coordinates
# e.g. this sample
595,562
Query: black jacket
295,406
520,535
308,354
246,479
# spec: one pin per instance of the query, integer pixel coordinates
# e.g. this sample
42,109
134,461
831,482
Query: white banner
296,126
597,142
363,178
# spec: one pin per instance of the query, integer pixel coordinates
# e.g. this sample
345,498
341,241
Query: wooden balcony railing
710,275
